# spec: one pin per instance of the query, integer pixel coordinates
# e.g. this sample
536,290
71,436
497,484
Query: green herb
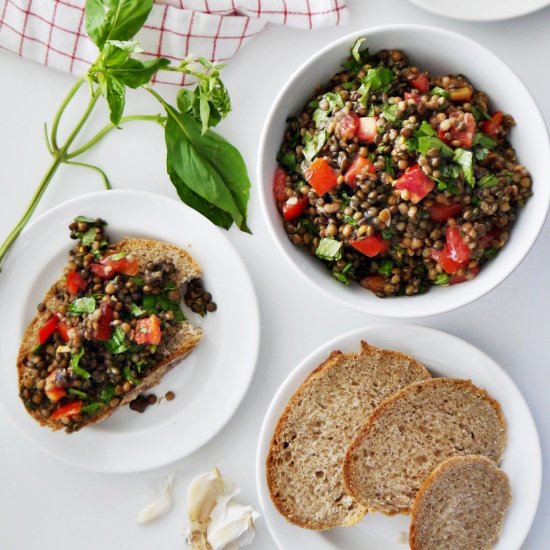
340,277
136,311
155,303
390,166
287,160
293,128
91,408
425,129
442,279
313,104
329,249
138,281
390,112
89,221
358,57
490,180
82,305
107,393
349,220
76,368
466,161
379,78
480,153
313,143
118,256
356,47
388,233
484,140
307,224
425,143
451,171
439,91
88,238
74,391
36,349
117,343
209,173
141,365
126,371
153,348
385,268
490,253
334,101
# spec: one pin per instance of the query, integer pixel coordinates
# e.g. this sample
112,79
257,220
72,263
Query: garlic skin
161,505
216,522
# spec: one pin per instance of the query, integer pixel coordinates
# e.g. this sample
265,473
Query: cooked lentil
399,180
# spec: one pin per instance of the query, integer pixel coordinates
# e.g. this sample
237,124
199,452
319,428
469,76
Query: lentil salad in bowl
395,167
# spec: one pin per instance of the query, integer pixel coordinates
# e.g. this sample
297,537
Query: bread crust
190,336
386,405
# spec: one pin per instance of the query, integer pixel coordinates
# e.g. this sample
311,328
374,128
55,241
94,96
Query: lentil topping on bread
304,464
106,331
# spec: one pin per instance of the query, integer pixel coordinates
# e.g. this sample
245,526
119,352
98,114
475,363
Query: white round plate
482,10
444,355
209,384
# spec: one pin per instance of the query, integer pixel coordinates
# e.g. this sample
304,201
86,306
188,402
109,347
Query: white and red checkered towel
52,32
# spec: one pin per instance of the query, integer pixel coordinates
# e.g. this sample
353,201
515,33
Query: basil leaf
388,233
313,143
91,408
329,249
390,112
141,365
484,140
355,49
340,277
490,180
126,371
137,311
465,160
117,344
114,91
349,220
385,268
118,255
334,101
379,78
425,130
85,219
134,73
115,19
425,143
287,160
88,237
82,305
78,370
442,279
74,391
439,91
209,166
107,393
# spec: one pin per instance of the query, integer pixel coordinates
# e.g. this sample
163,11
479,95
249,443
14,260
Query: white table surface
44,503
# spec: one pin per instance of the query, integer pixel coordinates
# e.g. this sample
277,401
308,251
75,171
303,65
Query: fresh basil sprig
208,172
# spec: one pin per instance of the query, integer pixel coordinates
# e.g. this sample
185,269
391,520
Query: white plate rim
473,10
248,294
306,365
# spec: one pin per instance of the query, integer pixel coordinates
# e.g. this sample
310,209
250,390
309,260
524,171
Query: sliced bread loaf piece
412,432
304,464
461,504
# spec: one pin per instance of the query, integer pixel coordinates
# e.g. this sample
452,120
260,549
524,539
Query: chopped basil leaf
334,101
307,224
118,256
313,104
442,279
387,234
481,153
37,349
107,393
484,140
490,180
88,238
78,370
329,249
126,371
150,304
490,253
287,160
465,160
136,311
340,277
439,91
425,130
385,268
425,143
138,281
85,219
153,348
390,112
82,305
314,143
379,78
117,344
349,219
347,268
74,391
451,171
92,408
141,365
355,53
390,166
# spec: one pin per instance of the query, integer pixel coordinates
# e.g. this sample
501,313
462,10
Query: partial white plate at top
209,384
482,10
443,355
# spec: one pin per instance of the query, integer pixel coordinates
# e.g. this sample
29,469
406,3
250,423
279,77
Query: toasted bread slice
304,464
173,349
461,504
411,433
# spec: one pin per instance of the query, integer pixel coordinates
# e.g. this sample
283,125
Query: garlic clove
160,505
232,525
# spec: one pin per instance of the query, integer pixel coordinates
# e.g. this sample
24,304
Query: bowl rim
424,309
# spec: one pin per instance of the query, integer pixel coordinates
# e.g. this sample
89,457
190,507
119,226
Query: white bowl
441,52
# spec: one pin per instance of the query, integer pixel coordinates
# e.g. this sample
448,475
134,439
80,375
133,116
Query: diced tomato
367,129
72,408
321,176
374,283
148,330
63,330
415,182
104,328
47,329
107,268
421,83
279,187
371,246
465,136
442,212
412,95
457,279
358,166
492,126
349,125
75,283
294,207
443,258
458,249
53,393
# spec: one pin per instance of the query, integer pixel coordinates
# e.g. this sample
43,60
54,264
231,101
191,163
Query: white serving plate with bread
444,355
209,384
